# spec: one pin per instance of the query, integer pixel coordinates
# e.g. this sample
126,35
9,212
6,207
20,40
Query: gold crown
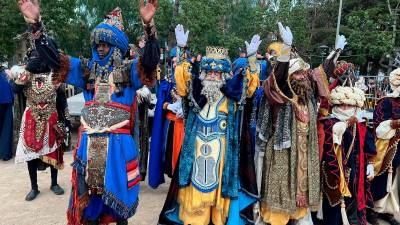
216,52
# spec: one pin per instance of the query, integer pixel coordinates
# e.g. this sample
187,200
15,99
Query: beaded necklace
103,71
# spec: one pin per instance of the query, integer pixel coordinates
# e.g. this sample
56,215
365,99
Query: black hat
35,64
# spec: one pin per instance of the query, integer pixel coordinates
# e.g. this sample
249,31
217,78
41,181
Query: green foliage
11,25
370,32
60,22
367,24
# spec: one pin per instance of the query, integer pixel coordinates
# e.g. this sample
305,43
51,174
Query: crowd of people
265,139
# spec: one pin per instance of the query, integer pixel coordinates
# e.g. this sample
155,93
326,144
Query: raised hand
253,46
181,36
148,10
30,9
286,34
340,42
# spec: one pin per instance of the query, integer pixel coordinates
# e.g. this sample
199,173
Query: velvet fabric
359,186
386,109
211,64
158,138
47,50
6,94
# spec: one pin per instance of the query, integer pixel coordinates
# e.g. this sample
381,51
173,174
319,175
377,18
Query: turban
297,64
348,96
111,31
394,78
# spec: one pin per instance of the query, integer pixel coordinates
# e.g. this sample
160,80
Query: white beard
211,89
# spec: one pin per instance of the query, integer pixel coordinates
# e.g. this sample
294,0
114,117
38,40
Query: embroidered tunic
207,188
206,176
384,186
106,155
38,132
344,173
287,132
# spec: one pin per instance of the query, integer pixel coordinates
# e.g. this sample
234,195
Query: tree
11,25
370,35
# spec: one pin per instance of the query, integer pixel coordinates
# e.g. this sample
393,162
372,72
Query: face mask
345,114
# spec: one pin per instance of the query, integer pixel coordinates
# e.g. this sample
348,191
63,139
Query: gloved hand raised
253,46
181,36
286,34
340,42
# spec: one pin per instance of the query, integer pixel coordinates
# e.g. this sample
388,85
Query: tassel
257,214
320,213
389,180
344,214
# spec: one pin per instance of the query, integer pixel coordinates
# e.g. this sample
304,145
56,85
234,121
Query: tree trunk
171,30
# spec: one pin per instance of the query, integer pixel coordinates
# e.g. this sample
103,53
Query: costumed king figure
287,131
42,134
385,187
347,165
168,124
206,187
105,177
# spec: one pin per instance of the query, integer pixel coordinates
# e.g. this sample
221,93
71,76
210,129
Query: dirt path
49,209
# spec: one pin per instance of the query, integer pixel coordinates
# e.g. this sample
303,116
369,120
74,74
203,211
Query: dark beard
303,89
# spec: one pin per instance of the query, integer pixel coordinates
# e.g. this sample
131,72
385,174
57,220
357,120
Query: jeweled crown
216,52
115,19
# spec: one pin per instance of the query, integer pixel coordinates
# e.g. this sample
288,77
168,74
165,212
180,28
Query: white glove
179,112
370,171
286,34
175,107
253,46
340,42
181,36
143,95
338,130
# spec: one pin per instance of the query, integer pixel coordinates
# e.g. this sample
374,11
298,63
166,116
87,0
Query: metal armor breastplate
102,113
209,144
41,100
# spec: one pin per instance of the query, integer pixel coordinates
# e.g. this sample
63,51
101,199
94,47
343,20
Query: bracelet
150,30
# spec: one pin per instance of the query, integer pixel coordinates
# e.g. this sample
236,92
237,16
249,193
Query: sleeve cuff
285,53
338,130
385,130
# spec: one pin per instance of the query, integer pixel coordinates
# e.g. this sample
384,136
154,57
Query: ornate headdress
297,64
394,78
111,31
275,46
348,96
216,59
342,67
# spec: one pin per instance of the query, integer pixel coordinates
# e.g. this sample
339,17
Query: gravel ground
49,209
